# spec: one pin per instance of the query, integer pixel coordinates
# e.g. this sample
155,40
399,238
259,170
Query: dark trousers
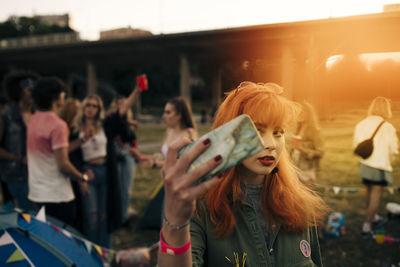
63,211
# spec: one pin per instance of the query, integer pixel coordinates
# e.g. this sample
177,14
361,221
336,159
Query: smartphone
235,141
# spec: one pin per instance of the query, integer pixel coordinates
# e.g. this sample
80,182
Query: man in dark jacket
13,122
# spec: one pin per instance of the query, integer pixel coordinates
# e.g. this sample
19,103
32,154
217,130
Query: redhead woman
258,213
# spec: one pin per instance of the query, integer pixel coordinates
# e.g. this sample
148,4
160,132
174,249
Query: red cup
142,82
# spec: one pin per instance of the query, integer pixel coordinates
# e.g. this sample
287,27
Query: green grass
338,168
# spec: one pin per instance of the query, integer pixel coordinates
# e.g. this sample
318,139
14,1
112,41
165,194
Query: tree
28,26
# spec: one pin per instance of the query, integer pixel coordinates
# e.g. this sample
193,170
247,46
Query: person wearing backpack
376,169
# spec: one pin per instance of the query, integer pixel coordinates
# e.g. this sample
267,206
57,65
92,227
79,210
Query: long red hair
285,199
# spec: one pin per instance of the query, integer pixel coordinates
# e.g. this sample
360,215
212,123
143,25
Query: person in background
178,119
127,155
102,202
307,145
180,123
376,170
6,195
49,167
3,104
257,213
68,113
13,123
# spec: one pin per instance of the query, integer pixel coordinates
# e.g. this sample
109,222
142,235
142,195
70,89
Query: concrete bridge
292,54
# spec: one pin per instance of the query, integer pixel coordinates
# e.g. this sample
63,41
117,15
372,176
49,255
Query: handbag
365,148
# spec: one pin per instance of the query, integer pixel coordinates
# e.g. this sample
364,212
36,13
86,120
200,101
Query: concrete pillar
316,66
300,73
287,71
313,65
91,79
216,87
69,87
185,79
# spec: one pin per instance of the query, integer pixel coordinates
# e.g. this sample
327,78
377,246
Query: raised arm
181,193
128,102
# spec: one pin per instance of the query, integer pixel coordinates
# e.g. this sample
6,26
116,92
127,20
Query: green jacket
286,250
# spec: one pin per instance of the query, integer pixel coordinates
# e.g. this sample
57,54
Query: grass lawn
338,168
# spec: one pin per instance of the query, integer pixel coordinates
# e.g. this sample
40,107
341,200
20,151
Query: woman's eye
279,133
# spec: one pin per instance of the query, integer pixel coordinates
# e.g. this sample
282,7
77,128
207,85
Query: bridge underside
292,54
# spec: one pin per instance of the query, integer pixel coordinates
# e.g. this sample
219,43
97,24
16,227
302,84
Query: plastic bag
335,225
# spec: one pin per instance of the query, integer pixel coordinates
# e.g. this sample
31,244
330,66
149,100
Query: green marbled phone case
235,141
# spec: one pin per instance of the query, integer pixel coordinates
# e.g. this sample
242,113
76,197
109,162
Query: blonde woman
102,200
307,144
89,125
376,171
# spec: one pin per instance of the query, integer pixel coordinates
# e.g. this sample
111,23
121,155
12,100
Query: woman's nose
269,141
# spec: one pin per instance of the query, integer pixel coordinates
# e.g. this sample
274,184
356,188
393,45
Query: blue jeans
126,168
95,206
19,190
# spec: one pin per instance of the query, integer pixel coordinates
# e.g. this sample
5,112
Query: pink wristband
165,248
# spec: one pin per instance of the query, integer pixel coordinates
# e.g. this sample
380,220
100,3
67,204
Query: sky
89,17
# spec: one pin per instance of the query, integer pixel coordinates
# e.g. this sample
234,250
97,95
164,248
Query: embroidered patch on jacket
305,248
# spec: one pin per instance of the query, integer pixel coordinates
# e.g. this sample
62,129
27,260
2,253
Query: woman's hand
83,186
135,153
147,162
133,257
181,190
88,133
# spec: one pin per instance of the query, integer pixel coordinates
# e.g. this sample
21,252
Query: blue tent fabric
43,243
7,219
67,246
34,251
6,252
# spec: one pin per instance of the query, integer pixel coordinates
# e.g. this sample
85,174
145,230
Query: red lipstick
266,160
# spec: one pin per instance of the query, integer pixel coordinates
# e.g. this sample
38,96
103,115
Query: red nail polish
207,141
218,158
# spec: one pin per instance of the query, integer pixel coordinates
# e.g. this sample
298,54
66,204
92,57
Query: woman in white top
102,203
376,171
179,120
89,124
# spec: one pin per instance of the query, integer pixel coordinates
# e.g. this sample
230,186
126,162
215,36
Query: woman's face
91,108
26,96
266,160
170,116
119,102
